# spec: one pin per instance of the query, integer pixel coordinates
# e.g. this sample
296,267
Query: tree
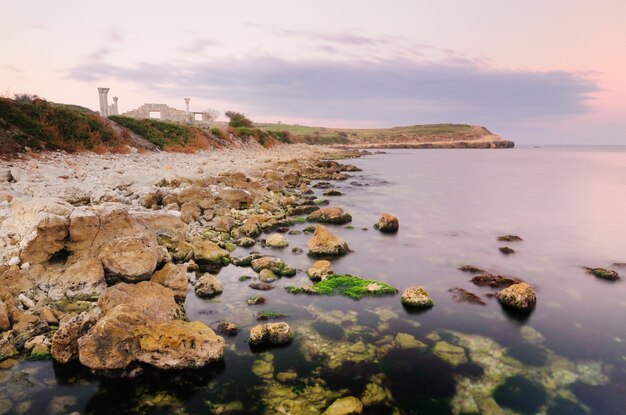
237,119
210,114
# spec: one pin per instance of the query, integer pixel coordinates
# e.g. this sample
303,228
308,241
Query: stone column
115,112
104,104
187,115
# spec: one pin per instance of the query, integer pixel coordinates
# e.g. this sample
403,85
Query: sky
536,72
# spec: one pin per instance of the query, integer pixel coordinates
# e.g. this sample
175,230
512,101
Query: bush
238,119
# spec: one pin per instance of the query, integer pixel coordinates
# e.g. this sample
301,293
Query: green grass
165,135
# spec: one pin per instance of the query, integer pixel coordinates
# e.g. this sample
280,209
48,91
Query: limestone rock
250,228
126,334
519,297
325,242
153,299
173,277
320,270
131,258
330,215
208,286
49,316
345,406
81,280
208,252
452,354
387,223
416,297
270,333
277,266
189,212
277,241
235,198
65,339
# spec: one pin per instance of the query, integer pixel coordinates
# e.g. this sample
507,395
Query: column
104,104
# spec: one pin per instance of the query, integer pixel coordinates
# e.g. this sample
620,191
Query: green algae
266,315
346,285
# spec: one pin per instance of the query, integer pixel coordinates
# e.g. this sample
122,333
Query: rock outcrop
330,215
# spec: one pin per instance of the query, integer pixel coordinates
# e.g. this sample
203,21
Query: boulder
604,273
5,323
208,286
270,334
189,212
65,339
387,223
320,270
201,197
250,228
330,215
209,253
267,275
173,277
416,297
235,198
130,258
345,406
324,242
277,266
81,280
245,242
277,241
520,297
153,299
126,334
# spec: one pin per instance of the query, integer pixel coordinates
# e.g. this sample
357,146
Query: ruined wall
167,113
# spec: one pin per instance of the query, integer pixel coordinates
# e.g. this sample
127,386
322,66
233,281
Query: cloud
390,91
199,45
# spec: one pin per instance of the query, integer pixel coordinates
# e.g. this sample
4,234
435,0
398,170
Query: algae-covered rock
509,238
277,241
346,285
520,297
373,394
255,300
471,269
266,275
324,242
416,297
345,406
407,341
605,274
493,281
320,270
263,369
330,215
452,354
208,286
277,266
208,252
387,223
251,228
460,295
245,242
271,334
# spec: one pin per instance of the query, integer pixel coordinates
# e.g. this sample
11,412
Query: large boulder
130,258
173,277
209,253
208,286
416,297
81,280
127,334
276,265
153,299
520,297
324,242
320,270
270,334
330,215
387,223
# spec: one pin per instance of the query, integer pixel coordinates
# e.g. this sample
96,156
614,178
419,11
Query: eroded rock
387,223
324,242
519,297
270,334
416,297
330,215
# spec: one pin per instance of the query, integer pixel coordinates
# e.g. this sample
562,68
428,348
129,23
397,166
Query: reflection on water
568,357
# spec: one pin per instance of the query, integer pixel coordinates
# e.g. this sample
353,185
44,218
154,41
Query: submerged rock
472,269
267,275
461,295
452,354
603,273
320,270
126,334
493,281
271,334
509,238
325,242
276,265
332,192
520,297
387,223
521,395
345,406
208,286
506,250
330,215
277,241
416,297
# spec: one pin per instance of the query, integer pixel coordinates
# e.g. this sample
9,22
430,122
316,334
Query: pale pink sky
533,71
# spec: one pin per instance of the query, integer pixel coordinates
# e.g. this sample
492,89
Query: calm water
567,357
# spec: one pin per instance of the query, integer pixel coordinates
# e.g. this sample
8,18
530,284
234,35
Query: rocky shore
97,252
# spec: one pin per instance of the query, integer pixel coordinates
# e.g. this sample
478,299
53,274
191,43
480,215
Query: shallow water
567,357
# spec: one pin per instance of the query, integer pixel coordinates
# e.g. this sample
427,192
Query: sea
568,356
